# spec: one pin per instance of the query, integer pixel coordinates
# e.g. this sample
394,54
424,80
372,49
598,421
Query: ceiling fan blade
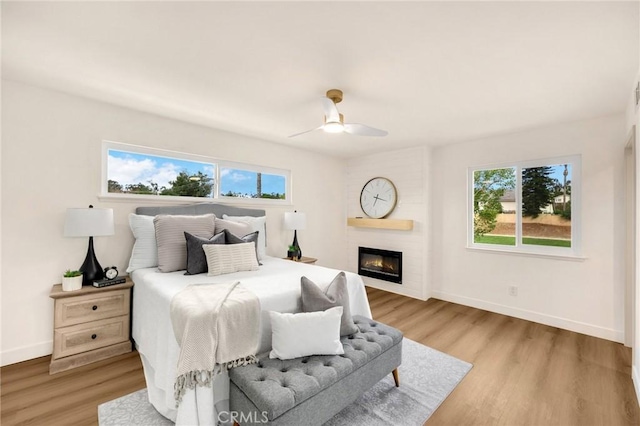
362,130
306,131
330,110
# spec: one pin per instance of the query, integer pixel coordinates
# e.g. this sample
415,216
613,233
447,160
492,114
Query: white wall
586,296
633,119
51,160
408,169
635,362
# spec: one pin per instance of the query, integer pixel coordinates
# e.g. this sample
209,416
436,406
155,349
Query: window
134,171
530,207
239,183
493,199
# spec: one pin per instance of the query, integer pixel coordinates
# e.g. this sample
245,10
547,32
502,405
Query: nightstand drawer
91,307
85,337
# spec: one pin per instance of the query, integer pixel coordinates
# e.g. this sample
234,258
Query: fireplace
381,264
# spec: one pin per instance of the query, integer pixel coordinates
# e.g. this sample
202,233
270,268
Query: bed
276,284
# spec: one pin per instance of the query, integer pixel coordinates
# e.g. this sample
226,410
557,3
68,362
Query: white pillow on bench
312,333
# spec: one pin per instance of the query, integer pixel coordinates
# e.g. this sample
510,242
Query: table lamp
295,221
90,223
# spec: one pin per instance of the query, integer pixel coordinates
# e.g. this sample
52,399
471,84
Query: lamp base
91,269
296,245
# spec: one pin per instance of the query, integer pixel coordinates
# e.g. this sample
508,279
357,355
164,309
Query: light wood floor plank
524,373
31,396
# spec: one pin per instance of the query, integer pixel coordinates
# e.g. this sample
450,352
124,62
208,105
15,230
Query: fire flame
378,263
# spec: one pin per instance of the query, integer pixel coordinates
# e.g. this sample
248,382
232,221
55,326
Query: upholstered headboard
200,208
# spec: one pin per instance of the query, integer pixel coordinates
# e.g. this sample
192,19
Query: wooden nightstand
304,259
90,324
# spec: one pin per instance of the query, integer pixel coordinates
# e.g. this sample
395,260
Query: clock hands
378,198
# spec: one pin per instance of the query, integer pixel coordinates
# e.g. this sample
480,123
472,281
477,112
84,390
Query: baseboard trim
26,353
550,320
635,376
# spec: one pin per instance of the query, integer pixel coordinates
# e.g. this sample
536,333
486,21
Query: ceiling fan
334,121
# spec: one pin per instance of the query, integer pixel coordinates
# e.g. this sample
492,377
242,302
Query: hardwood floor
523,373
30,396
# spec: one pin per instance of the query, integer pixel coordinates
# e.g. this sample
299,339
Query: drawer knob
94,307
93,336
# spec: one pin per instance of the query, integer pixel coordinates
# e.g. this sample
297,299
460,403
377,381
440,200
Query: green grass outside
511,241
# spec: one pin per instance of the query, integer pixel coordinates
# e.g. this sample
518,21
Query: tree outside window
489,186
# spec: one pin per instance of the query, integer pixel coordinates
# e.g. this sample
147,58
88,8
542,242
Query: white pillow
312,333
239,229
229,258
257,224
145,250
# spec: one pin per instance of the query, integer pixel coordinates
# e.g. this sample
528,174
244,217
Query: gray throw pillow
231,238
314,299
196,258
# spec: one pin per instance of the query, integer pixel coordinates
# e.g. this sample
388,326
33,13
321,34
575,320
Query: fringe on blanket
204,378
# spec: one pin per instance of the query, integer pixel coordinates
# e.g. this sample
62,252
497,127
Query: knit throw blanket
216,326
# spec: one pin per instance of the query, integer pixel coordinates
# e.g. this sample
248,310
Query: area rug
427,377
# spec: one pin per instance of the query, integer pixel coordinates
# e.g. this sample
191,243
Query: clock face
378,197
111,273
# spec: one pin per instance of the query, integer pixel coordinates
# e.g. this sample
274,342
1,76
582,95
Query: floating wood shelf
398,224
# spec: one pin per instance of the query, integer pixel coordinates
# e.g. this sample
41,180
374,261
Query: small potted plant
71,280
292,252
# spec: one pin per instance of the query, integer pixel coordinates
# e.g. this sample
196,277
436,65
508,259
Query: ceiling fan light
333,127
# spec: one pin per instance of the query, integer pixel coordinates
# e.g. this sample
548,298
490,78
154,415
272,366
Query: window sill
165,199
568,257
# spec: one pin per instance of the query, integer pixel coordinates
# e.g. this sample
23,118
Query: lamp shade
295,220
88,222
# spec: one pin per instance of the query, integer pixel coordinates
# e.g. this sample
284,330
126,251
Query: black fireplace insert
381,264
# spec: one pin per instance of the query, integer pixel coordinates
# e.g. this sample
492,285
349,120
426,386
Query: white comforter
277,285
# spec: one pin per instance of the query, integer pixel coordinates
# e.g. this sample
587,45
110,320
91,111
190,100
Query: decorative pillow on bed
298,335
257,224
236,228
337,294
249,238
196,259
170,229
226,259
145,250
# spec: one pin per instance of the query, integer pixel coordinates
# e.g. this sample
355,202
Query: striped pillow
229,258
145,251
172,247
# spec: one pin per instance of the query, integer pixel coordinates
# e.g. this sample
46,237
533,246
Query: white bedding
277,285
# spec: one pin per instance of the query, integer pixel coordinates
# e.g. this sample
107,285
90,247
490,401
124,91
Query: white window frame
573,252
219,164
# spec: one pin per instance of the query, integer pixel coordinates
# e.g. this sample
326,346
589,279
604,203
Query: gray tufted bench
311,390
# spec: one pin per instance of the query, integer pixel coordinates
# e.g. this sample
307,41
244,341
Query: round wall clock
378,197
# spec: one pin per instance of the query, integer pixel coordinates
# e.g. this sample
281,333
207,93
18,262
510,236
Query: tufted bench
311,390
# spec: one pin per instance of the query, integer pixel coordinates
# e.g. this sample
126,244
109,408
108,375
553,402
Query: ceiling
428,72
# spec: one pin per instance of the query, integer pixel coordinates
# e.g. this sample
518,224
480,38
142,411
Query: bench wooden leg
396,378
